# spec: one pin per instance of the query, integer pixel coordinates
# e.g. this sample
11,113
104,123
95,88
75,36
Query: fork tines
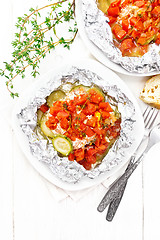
150,115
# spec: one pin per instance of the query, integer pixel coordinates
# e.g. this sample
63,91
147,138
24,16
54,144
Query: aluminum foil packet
99,32
42,149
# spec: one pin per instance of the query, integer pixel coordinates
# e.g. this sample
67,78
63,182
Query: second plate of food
78,125
121,38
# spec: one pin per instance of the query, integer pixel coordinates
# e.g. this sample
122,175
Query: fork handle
112,192
115,203
112,209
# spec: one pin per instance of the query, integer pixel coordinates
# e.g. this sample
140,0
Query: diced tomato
126,44
118,32
71,107
86,165
44,108
125,24
97,142
91,151
52,123
91,122
142,40
82,117
91,159
99,131
64,123
90,109
135,34
113,11
105,114
125,3
71,134
135,22
156,11
155,3
79,154
82,126
62,114
139,3
103,140
55,109
80,100
89,132
158,39
95,96
106,106
139,25
71,157
101,149
114,134
111,19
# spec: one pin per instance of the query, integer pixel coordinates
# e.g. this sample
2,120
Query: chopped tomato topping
95,96
71,157
106,106
90,109
52,123
91,159
101,149
137,22
156,11
139,3
113,11
118,32
91,151
105,114
97,142
44,108
64,123
79,154
158,39
89,132
81,99
111,19
87,165
84,119
62,114
125,25
126,44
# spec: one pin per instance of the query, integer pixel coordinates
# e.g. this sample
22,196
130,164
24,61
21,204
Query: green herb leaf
32,41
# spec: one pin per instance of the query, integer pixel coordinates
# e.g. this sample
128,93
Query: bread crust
151,92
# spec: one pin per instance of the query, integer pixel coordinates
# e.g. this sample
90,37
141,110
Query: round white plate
97,53
104,73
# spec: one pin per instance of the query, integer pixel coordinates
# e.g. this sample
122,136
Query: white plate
97,53
103,72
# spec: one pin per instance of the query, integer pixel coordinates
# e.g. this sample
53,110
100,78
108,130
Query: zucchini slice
55,96
47,132
62,144
39,116
80,88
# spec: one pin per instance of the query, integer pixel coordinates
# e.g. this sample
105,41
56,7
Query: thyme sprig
37,35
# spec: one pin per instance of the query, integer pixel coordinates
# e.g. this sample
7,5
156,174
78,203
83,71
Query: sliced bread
151,92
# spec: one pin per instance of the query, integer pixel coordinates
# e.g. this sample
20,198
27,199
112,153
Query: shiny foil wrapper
99,32
42,149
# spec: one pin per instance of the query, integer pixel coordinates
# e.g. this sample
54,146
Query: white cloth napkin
57,193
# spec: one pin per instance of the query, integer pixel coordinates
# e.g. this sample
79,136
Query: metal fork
115,193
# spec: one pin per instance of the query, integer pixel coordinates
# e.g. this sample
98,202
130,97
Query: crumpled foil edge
99,33
42,149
